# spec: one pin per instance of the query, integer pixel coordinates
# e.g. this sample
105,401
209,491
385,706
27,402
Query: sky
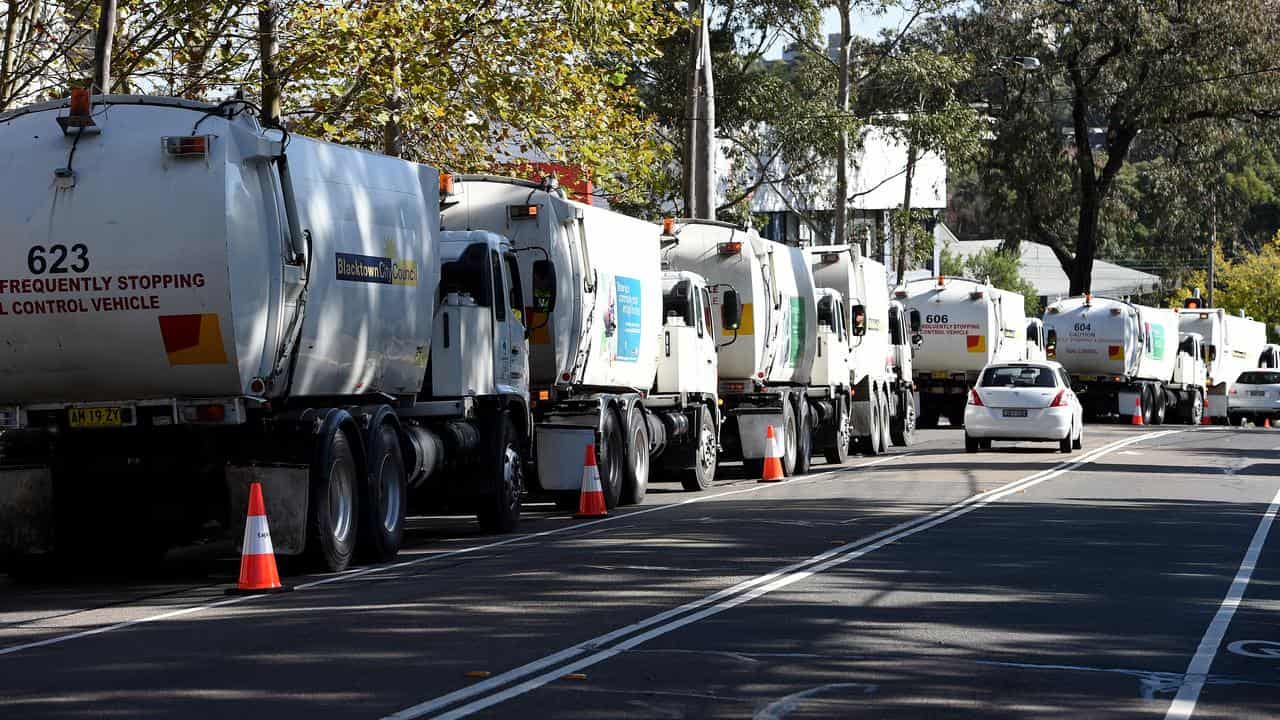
865,25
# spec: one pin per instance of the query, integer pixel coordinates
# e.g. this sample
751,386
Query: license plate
940,376
1257,393
1014,413
96,417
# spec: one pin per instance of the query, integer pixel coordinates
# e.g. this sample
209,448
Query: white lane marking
353,574
1184,703
726,599
782,707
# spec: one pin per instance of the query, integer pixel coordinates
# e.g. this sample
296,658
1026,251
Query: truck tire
886,422
1159,405
904,427
703,473
804,438
382,498
1195,409
871,442
635,481
837,451
610,458
498,509
333,512
1145,401
790,433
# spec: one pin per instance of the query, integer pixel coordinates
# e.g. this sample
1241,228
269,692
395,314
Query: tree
1120,80
1246,284
1003,270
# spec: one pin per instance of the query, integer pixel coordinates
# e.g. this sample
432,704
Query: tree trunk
903,233
102,44
840,222
6,53
268,46
392,133
1086,243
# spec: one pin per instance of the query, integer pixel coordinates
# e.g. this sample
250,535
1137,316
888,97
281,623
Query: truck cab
831,364
686,361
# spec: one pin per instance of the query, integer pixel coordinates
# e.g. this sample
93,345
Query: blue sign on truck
627,292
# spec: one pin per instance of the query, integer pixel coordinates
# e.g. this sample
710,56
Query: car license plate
1257,393
1014,413
96,417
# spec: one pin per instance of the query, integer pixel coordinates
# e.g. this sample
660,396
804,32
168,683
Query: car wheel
1066,445
1078,443
971,443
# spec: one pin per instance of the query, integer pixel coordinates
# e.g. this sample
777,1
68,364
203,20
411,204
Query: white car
1023,401
1255,396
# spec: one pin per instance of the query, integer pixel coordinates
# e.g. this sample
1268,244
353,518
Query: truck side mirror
544,286
730,310
915,323
859,313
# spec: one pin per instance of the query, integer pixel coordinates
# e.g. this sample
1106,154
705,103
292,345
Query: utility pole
699,181
1213,247
102,42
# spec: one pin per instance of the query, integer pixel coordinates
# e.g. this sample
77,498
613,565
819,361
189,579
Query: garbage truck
884,338
625,359
194,303
767,376
1126,359
1232,345
967,324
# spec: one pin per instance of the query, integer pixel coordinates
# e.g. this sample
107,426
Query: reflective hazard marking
193,339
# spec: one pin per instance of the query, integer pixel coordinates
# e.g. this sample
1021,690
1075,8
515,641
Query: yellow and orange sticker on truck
193,339
975,343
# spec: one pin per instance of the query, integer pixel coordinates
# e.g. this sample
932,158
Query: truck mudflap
26,511
753,429
284,492
561,452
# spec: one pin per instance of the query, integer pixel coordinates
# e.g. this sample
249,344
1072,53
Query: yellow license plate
941,375
96,417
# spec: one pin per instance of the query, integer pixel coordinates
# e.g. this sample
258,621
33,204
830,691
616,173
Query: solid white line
353,574
728,598
1184,704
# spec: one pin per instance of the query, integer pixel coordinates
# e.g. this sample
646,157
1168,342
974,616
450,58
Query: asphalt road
1138,577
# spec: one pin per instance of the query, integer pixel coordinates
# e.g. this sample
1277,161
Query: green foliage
1247,283
1001,268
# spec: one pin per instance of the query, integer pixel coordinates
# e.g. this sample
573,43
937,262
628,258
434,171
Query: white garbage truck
967,324
1124,357
884,336
194,303
1232,345
782,368
626,359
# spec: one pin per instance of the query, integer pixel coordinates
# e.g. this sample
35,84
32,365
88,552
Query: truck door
708,376
509,358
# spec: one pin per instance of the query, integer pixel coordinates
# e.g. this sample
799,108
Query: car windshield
1260,378
1018,376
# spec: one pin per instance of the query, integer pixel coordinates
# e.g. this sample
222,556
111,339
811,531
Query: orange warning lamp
80,105
446,184
668,226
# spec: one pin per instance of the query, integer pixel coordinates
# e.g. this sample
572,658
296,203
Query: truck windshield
1018,376
468,275
677,302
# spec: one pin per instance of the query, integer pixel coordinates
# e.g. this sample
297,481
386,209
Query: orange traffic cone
1137,411
772,458
1205,419
591,498
1266,422
258,559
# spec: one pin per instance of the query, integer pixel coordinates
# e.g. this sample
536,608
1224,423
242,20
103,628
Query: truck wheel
1158,407
636,481
1235,419
332,512
886,420
837,451
498,510
871,443
1145,402
804,439
703,472
1195,413
789,436
905,426
382,499
610,458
